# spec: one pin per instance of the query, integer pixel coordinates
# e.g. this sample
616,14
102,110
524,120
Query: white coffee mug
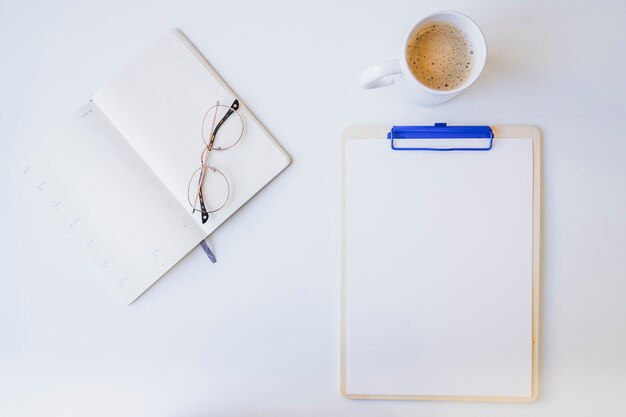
398,73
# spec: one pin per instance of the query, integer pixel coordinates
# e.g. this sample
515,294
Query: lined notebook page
158,104
438,270
105,196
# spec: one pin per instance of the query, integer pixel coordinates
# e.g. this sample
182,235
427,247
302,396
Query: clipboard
382,345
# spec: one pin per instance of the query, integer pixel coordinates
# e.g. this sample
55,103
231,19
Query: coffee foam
440,56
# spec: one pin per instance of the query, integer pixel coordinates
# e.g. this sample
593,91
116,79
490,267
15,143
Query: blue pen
208,250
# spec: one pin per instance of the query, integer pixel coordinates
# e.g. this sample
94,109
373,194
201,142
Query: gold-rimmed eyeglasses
209,189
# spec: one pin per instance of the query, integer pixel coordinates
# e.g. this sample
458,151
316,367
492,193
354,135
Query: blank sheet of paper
438,270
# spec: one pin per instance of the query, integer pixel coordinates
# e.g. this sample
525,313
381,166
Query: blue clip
442,131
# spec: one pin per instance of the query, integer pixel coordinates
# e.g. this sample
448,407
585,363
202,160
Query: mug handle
380,75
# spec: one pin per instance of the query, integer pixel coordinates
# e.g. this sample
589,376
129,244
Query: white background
257,334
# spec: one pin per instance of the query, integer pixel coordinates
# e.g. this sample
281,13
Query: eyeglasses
209,189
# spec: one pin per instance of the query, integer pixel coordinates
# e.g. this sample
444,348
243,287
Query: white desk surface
257,334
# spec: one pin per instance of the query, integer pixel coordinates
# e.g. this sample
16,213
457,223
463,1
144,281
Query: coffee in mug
440,56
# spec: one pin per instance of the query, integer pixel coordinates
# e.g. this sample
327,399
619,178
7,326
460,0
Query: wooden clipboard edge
522,131
457,398
534,133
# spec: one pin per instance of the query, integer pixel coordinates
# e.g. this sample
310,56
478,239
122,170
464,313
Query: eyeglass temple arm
204,214
233,107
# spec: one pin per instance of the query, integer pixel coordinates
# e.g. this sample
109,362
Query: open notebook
440,269
116,174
